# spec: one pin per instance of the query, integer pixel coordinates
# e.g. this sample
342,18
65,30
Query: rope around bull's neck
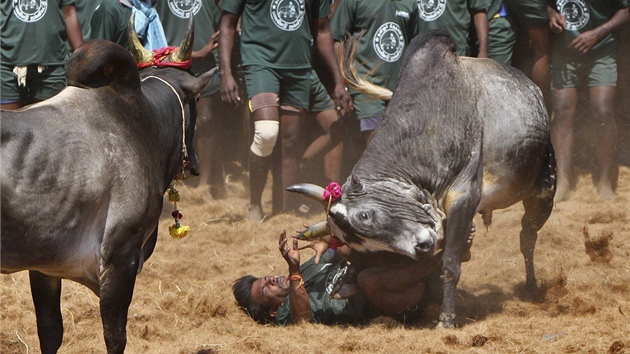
176,230
181,105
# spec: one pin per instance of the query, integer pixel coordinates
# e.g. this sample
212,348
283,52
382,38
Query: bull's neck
169,122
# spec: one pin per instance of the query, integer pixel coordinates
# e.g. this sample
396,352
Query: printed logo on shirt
430,10
389,42
30,10
575,12
333,277
288,15
183,8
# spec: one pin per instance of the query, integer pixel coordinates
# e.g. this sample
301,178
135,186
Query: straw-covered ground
183,302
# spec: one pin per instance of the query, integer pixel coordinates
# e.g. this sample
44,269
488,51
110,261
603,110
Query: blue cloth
148,25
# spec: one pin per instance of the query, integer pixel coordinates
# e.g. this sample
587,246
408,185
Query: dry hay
183,304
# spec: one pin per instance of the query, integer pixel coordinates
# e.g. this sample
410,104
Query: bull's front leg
459,224
118,277
46,292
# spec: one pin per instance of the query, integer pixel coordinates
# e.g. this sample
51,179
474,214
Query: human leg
564,105
541,48
329,144
291,135
602,101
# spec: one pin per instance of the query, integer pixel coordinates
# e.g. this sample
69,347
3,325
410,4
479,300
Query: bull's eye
363,216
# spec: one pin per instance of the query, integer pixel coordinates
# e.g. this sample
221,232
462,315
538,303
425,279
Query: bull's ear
193,86
356,186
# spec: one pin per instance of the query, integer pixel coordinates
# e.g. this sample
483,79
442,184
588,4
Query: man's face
270,290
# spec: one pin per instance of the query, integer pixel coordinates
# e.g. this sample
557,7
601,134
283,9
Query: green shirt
384,29
453,16
277,33
110,21
174,18
318,281
582,16
34,32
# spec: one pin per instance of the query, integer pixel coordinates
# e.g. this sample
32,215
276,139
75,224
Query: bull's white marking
66,94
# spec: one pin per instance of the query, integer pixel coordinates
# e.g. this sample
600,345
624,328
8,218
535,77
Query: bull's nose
425,246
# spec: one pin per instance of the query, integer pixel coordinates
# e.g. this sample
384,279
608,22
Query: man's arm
73,28
207,49
299,303
481,27
585,41
227,33
343,102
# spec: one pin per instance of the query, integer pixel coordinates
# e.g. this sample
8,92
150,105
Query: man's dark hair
242,290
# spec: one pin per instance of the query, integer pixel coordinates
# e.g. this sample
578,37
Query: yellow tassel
178,231
173,195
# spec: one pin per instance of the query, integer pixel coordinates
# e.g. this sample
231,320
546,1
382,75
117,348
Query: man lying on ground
394,286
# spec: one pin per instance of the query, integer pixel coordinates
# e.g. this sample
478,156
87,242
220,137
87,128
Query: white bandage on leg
265,136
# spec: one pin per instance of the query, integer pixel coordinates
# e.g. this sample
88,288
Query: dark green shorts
598,68
501,38
39,86
530,13
320,100
291,85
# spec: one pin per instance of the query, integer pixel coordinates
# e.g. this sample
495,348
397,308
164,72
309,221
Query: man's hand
290,254
584,42
319,245
343,101
229,91
556,21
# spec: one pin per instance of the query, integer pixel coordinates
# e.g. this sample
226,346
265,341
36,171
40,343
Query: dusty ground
182,301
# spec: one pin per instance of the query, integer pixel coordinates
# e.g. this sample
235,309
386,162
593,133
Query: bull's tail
349,70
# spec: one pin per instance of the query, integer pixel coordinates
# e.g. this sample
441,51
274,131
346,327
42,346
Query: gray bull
83,178
460,136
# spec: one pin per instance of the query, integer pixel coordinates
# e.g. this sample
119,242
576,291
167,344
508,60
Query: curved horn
310,190
184,52
318,230
135,47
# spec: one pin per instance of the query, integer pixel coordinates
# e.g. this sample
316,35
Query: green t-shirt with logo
174,17
318,282
582,16
277,33
110,21
384,28
452,16
34,32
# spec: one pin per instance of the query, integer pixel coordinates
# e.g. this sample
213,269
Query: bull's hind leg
117,280
537,211
46,292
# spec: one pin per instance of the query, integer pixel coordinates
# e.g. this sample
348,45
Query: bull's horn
310,190
135,47
318,230
184,53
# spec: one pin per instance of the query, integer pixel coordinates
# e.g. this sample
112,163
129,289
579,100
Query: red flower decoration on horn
333,191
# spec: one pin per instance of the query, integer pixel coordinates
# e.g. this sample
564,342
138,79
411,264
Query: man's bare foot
605,191
563,191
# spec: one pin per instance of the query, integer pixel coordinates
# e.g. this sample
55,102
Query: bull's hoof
345,291
445,324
